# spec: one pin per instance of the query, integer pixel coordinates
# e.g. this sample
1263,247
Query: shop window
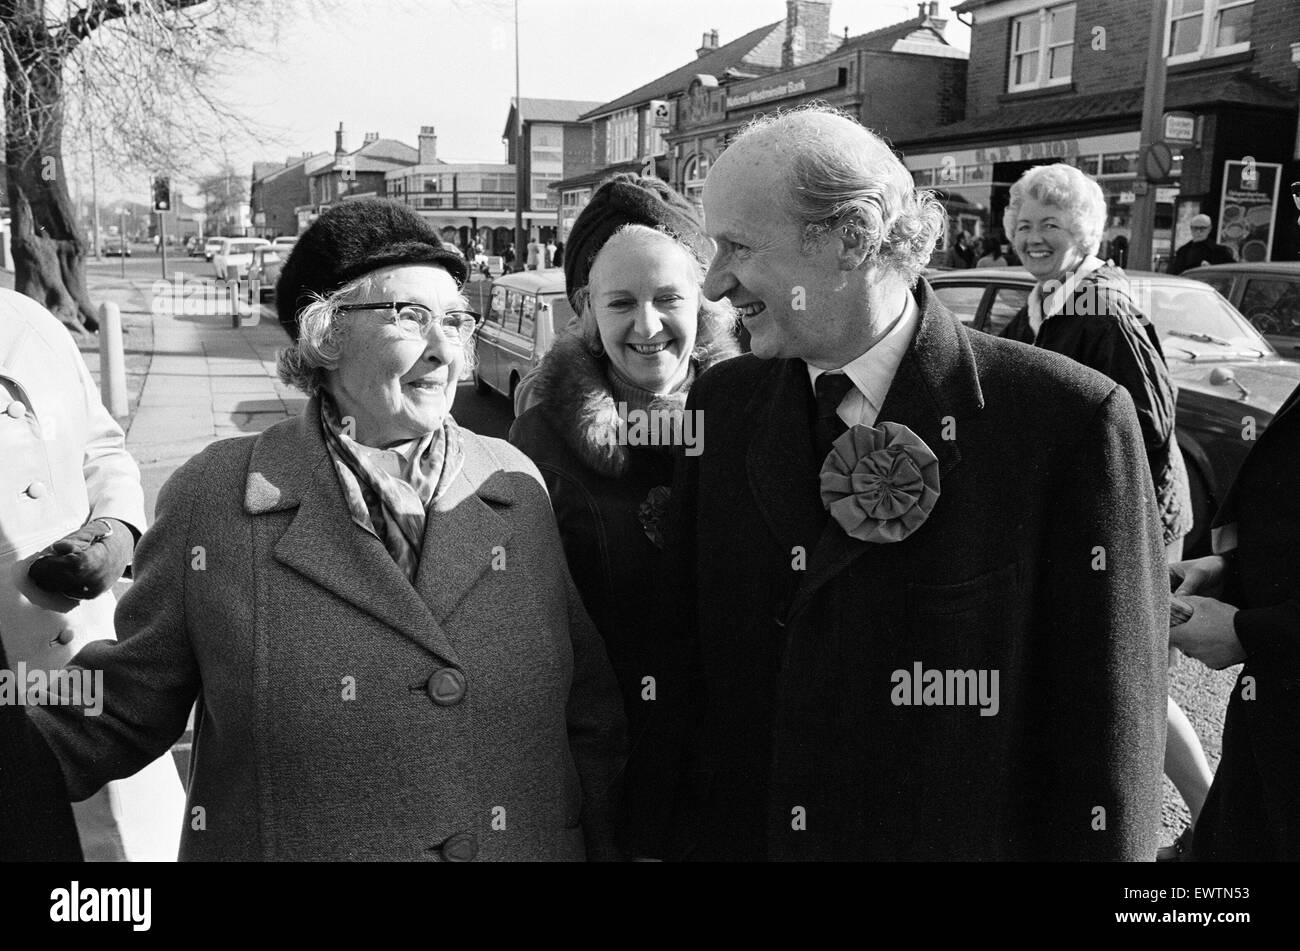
1042,49
1204,28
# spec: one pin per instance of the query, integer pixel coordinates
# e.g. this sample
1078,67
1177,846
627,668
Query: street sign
1179,129
1157,162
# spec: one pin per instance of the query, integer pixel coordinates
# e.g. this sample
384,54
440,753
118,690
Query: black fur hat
353,239
629,199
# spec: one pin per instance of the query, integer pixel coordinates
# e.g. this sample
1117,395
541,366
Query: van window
497,311
561,312
526,322
514,302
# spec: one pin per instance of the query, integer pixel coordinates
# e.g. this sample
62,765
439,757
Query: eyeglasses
414,320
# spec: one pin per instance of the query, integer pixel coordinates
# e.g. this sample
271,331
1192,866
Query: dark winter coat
1102,328
803,752
1253,810
609,500
1195,253
344,712
35,818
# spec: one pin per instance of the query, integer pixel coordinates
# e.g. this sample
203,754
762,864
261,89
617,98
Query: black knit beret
353,239
628,199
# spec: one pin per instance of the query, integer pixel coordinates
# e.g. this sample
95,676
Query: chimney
428,145
930,14
370,137
339,149
807,32
708,45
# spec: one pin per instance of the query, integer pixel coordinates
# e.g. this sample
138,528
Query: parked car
527,311
285,242
264,270
233,257
194,246
210,247
1230,379
1267,293
115,248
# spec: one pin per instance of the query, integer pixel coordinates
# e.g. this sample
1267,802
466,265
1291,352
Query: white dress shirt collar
873,372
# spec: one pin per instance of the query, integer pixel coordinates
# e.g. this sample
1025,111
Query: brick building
556,146
1052,82
359,173
900,80
279,190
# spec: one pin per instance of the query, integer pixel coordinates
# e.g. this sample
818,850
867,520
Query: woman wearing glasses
369,604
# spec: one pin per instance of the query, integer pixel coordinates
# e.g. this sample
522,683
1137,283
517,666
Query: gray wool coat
343,713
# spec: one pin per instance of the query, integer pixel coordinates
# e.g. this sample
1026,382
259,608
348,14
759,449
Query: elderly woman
369,604
605,430
1081,307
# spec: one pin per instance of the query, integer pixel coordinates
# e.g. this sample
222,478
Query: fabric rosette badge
880,483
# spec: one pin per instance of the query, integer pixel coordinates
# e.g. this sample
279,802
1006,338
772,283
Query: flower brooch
880,483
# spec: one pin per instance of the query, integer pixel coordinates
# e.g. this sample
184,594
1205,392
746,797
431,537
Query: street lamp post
522,189
1141,244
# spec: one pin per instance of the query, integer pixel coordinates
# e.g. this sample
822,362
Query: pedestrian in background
1082,308
369,604
961,254
534,259
1200,250
995,253
644,333
557,259
71,510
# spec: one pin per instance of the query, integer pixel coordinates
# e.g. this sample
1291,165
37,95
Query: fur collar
576,399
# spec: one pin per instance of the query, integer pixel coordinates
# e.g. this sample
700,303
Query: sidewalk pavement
204,380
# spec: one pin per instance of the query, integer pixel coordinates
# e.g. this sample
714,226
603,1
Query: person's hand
1209,634
86,563
1203,576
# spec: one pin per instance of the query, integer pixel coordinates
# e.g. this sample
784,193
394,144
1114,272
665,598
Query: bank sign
762,91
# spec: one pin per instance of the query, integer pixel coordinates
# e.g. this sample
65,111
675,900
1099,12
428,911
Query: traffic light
162,194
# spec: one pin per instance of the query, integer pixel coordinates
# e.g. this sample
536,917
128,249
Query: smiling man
882,491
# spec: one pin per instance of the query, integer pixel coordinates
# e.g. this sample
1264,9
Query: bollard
112,360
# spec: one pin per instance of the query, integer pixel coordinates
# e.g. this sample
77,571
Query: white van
528,311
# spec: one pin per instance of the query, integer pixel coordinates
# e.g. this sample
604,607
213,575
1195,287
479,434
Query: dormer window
1042,48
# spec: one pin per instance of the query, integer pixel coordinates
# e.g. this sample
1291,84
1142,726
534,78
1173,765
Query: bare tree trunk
49,254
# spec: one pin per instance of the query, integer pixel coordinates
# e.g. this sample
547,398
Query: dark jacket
609,501
344,712
1253,810
1102,328
801,630
1195,253
35,818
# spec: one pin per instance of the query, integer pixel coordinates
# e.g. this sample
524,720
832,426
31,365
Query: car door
1272,304
965,300
1004,303
516,349
488,338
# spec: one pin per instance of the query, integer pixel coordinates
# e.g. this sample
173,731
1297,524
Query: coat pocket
984,607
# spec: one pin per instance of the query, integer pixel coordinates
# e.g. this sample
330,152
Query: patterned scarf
393,509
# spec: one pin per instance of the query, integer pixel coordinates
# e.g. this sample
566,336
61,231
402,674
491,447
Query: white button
37,490
16,409
64,636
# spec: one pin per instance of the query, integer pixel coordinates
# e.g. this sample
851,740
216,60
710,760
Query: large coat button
64,636
461,847
37,490
16,409
446,686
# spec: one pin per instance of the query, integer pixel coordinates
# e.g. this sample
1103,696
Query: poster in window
1248,208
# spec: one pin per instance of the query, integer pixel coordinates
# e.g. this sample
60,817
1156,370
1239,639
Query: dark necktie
830,389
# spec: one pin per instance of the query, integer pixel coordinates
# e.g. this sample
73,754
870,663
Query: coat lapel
778,461
290,468
464,535
936,380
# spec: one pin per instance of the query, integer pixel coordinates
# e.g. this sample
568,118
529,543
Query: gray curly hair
844,176
715,320
322,328
1069,189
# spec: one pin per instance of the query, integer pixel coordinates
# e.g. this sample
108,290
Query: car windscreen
242,247
1192,320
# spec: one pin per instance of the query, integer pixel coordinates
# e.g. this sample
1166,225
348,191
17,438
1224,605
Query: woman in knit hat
606,425
369,604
